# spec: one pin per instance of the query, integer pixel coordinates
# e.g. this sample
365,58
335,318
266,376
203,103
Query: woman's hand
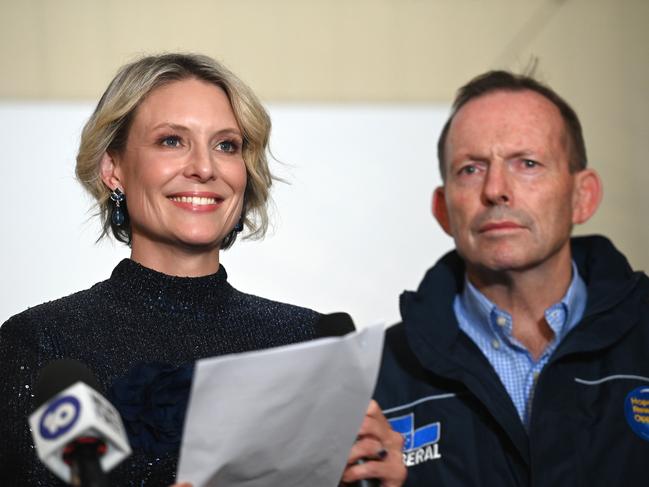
377,452
183,484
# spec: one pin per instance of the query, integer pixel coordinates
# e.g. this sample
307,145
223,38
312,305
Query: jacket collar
615,296
435,338
606,272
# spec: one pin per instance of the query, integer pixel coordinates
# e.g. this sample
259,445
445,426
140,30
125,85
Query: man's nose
497,188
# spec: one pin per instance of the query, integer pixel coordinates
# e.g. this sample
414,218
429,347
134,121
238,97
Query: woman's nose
201,165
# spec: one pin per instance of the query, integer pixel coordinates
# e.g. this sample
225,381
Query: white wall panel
351,230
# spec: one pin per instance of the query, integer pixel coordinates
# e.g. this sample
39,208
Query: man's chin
501,261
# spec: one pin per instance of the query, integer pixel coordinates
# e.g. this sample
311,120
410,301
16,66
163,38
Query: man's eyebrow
474,156
468,156
523,153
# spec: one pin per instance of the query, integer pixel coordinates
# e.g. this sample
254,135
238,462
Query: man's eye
170,141
468,170
529,163
227,146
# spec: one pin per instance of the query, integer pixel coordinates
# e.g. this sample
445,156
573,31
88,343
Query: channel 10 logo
59,417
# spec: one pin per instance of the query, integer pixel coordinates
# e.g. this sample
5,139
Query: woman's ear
587,194
109,171
440,210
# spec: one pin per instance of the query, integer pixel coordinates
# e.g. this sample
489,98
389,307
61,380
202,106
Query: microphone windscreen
59,375
334,325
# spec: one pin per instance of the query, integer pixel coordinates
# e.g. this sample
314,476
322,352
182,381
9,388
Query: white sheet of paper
286,416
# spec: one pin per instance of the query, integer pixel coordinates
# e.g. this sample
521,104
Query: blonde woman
175,156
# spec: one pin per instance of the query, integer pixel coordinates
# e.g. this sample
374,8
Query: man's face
509,200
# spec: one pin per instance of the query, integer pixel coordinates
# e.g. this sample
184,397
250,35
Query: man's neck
526,295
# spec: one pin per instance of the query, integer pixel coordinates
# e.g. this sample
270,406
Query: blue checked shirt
491,330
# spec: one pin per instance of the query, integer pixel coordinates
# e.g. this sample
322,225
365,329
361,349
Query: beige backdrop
594,52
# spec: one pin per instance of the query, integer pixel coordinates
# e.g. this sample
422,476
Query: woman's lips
196,201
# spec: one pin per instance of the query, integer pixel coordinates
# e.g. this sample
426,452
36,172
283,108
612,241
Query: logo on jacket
421,444
636,409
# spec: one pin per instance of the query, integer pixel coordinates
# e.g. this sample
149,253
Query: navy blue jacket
590,412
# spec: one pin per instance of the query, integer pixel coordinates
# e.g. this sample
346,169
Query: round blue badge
636,410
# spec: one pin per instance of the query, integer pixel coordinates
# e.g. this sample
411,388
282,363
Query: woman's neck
175,260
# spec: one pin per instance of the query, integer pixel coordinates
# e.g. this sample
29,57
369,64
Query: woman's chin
199,239
199,245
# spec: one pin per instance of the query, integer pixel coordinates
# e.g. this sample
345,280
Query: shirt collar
561,316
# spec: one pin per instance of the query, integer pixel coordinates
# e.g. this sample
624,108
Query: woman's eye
170,141
227,146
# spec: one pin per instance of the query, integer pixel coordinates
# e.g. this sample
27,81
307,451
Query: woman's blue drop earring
239,226
118,212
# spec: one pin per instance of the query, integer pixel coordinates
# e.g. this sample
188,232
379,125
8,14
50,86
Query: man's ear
440,210
587,194
110,172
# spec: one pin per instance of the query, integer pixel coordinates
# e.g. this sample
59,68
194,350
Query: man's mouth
493,226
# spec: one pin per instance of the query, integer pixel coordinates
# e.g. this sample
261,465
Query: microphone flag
78,411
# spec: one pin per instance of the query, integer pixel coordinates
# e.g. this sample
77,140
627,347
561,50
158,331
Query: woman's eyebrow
175,126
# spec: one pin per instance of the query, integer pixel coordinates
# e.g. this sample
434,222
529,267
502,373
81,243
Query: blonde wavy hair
108,127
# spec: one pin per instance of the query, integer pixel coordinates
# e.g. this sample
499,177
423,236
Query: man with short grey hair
523,357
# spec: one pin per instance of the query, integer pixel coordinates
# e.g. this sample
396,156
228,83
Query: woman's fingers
377,452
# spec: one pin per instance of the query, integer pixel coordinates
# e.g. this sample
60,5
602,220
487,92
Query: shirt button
495,343
501,321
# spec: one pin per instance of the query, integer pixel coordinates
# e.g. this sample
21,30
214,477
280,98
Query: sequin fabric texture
137,316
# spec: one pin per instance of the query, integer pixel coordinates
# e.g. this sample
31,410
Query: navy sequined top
138,332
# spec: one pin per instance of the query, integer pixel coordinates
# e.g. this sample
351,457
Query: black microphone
334,325
77,433
366,482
